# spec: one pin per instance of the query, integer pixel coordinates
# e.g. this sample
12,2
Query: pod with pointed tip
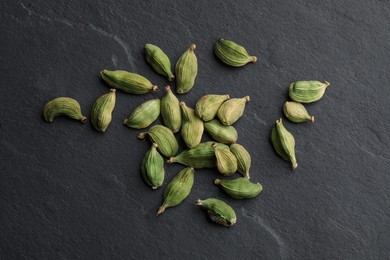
170,111
232,53
186,70
307,91
144,115
226,161
101,113
159,61
152,168
207,106
63,106
296,112
240,188
226,134
166,142
231,110
243,159
218,211
192,126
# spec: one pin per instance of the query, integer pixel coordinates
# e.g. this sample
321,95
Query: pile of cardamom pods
213,113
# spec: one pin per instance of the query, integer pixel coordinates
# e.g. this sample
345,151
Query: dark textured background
68,192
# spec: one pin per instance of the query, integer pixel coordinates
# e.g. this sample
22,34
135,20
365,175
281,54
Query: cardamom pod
296,112
284,143
101,113
231,110
166,142
207,106
222,133
144,115
192,127
307,91
170,111
128,82
159,61
218,211
186,70
240,188
243,159
226,161
178,189
63,106
152,168
232,54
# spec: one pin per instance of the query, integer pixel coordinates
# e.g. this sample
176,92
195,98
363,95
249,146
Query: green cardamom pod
284,143
218,211
170,111
243,159
207,106
159,61
127,81
231,110
63,106
296,112
144,115
152,168
178,189
222,133
166,142
240,188
101,113
232,54
307,91
226,161
192,127
186,70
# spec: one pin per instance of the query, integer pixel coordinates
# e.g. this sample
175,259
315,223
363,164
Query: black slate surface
69,192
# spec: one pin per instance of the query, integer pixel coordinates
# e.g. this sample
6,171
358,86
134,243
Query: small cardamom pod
296,112
166,142
101,113
284,143
128,82
144,115
222,133
63,106
232,54
159,61
170,111
243,159
186,70
207,106
178,189
231,110
307,91
226,161
192,126
218,211
240,188
152,168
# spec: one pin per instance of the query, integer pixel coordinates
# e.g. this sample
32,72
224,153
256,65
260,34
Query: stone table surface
69,192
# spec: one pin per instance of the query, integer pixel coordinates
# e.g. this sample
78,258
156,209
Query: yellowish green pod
231,110
63,106
226,161
170,110
307,91
101,113
144,115
240,188
166,142
192,126
244,160
159,61
207,106
232,53
222,133
186,70
296,112
218,211
152,168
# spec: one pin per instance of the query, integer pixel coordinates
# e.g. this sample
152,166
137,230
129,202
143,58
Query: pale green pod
186,70
296,112
170,111
244,160
284,143
159,61
240,188
222,133
63,106
307,91
152,168
144,115
226,161
163,137
207,106
192,126
128,82
101,113
218,211
232,53
231,110
178,189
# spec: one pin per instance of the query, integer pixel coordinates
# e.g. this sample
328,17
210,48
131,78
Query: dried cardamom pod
231,110
232,54
159,61
144,115
226,161
192,126
207,106
284,143
240,188
63,106
186,70
307,91
218,211
152,168
243,159
296,112
101,113
170,111
222,133
166,142
178,189
127,81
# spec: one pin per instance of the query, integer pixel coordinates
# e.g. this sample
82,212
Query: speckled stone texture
69,192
